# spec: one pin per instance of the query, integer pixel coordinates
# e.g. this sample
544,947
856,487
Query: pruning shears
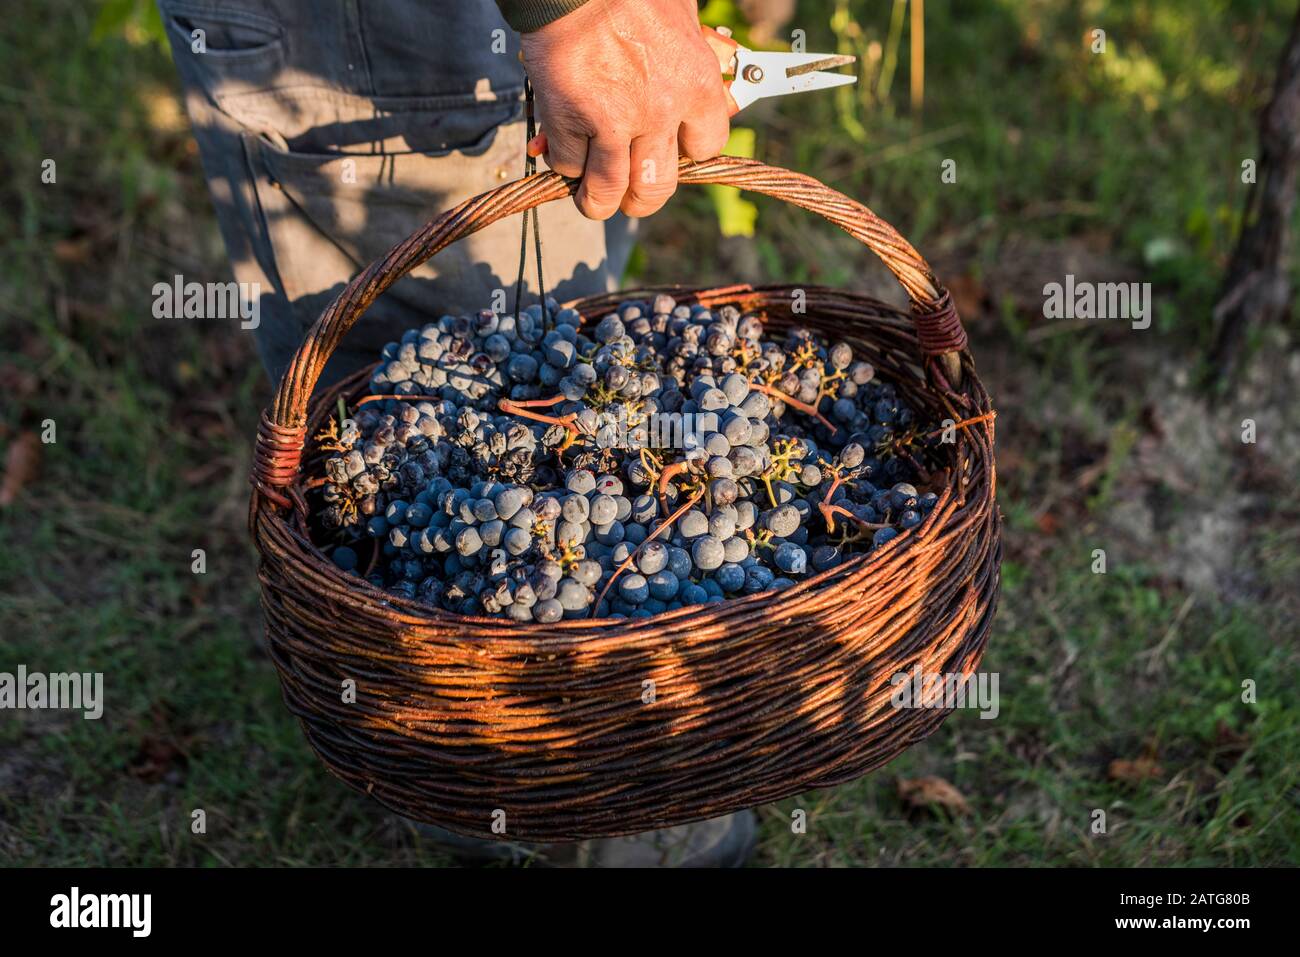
751,75
758,74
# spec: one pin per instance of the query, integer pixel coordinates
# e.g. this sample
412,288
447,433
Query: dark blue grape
633,588
791,558
731,577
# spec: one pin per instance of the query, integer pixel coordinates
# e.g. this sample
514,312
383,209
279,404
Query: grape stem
794,403
830,511
421,397
669,472
829,497
568,422
964,423
627,562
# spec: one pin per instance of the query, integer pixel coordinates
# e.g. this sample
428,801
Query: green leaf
137,21
113,17
636,265
741,142
724,13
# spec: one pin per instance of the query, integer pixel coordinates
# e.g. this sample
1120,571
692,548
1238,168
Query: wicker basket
459,719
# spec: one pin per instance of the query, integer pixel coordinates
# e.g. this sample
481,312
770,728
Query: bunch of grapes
671,455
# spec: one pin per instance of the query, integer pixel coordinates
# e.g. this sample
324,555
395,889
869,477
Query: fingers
564,152
605,181
703,135
654,174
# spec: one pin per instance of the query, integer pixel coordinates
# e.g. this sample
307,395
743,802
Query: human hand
622,88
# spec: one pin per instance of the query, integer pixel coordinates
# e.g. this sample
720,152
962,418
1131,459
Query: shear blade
806,82
784,73
825,63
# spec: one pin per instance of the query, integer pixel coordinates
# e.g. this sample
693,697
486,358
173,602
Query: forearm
526,16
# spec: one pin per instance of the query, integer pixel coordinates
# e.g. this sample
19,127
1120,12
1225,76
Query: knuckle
564,167
654,194
706,147
594,210
603,193
717,142
706,89
637,207
598,199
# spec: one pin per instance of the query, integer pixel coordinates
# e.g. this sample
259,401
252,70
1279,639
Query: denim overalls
330,131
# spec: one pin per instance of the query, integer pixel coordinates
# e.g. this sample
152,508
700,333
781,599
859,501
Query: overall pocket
224,49
330,179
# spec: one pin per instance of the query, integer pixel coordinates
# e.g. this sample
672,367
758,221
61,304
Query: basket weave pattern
597,728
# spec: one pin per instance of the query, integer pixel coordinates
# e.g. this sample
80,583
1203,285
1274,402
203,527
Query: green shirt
529,15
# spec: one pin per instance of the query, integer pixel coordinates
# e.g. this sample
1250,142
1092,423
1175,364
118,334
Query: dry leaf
1229,746
166,114
206,472
22,462
1141,769
766,17
930,791
72,251
95,312
968,296
164,749
156,758
18,382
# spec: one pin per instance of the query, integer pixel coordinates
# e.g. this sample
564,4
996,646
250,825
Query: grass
1077,694
1132,156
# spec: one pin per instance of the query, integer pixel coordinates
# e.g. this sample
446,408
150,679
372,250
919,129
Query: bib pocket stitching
274,44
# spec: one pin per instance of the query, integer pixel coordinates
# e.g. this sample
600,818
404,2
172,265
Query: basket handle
281,436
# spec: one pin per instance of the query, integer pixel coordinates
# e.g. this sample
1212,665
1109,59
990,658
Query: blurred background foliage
1121,692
